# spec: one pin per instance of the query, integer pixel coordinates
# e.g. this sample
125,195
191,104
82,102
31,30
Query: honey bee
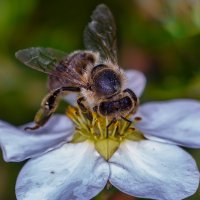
93,73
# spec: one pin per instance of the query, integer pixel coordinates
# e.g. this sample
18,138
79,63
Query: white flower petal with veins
176,121
147,169
71,98
18,145
154,170
136,81
74,171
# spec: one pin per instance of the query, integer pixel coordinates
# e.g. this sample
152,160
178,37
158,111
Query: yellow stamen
95,130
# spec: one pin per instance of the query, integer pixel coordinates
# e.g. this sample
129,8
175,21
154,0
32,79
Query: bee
93,73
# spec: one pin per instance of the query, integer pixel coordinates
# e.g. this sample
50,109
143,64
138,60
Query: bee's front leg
128,121
107,127
49,105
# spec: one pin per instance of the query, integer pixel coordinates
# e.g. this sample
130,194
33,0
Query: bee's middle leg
84,109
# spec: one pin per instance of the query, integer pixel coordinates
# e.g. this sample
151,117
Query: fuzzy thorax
106,140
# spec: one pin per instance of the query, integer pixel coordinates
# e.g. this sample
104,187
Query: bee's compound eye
112,107
106,83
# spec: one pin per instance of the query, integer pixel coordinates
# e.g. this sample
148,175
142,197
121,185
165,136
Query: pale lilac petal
176,121
149,169
73,171
18,145
71,98
136,81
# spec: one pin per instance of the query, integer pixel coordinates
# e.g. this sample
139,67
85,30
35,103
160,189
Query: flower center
106,139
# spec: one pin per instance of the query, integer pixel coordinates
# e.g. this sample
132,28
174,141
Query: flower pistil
106,140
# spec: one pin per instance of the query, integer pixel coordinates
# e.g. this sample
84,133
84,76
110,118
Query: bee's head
122,104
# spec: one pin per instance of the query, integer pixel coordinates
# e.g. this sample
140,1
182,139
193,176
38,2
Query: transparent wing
39,58
100,33
48,60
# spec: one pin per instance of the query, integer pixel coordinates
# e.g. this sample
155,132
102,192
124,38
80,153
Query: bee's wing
47,60
100,33
39,58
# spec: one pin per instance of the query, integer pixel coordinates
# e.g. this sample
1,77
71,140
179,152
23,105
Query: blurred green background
160,38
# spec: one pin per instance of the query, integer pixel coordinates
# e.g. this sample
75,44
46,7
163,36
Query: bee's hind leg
84,109
49,105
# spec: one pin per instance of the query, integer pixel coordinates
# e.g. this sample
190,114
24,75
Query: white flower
155,168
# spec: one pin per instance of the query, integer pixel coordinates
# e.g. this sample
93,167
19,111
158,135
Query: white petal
176,121
71,98
74,171
154,170
18,145
136,81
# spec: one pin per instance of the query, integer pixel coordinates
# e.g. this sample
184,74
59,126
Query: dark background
159,38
